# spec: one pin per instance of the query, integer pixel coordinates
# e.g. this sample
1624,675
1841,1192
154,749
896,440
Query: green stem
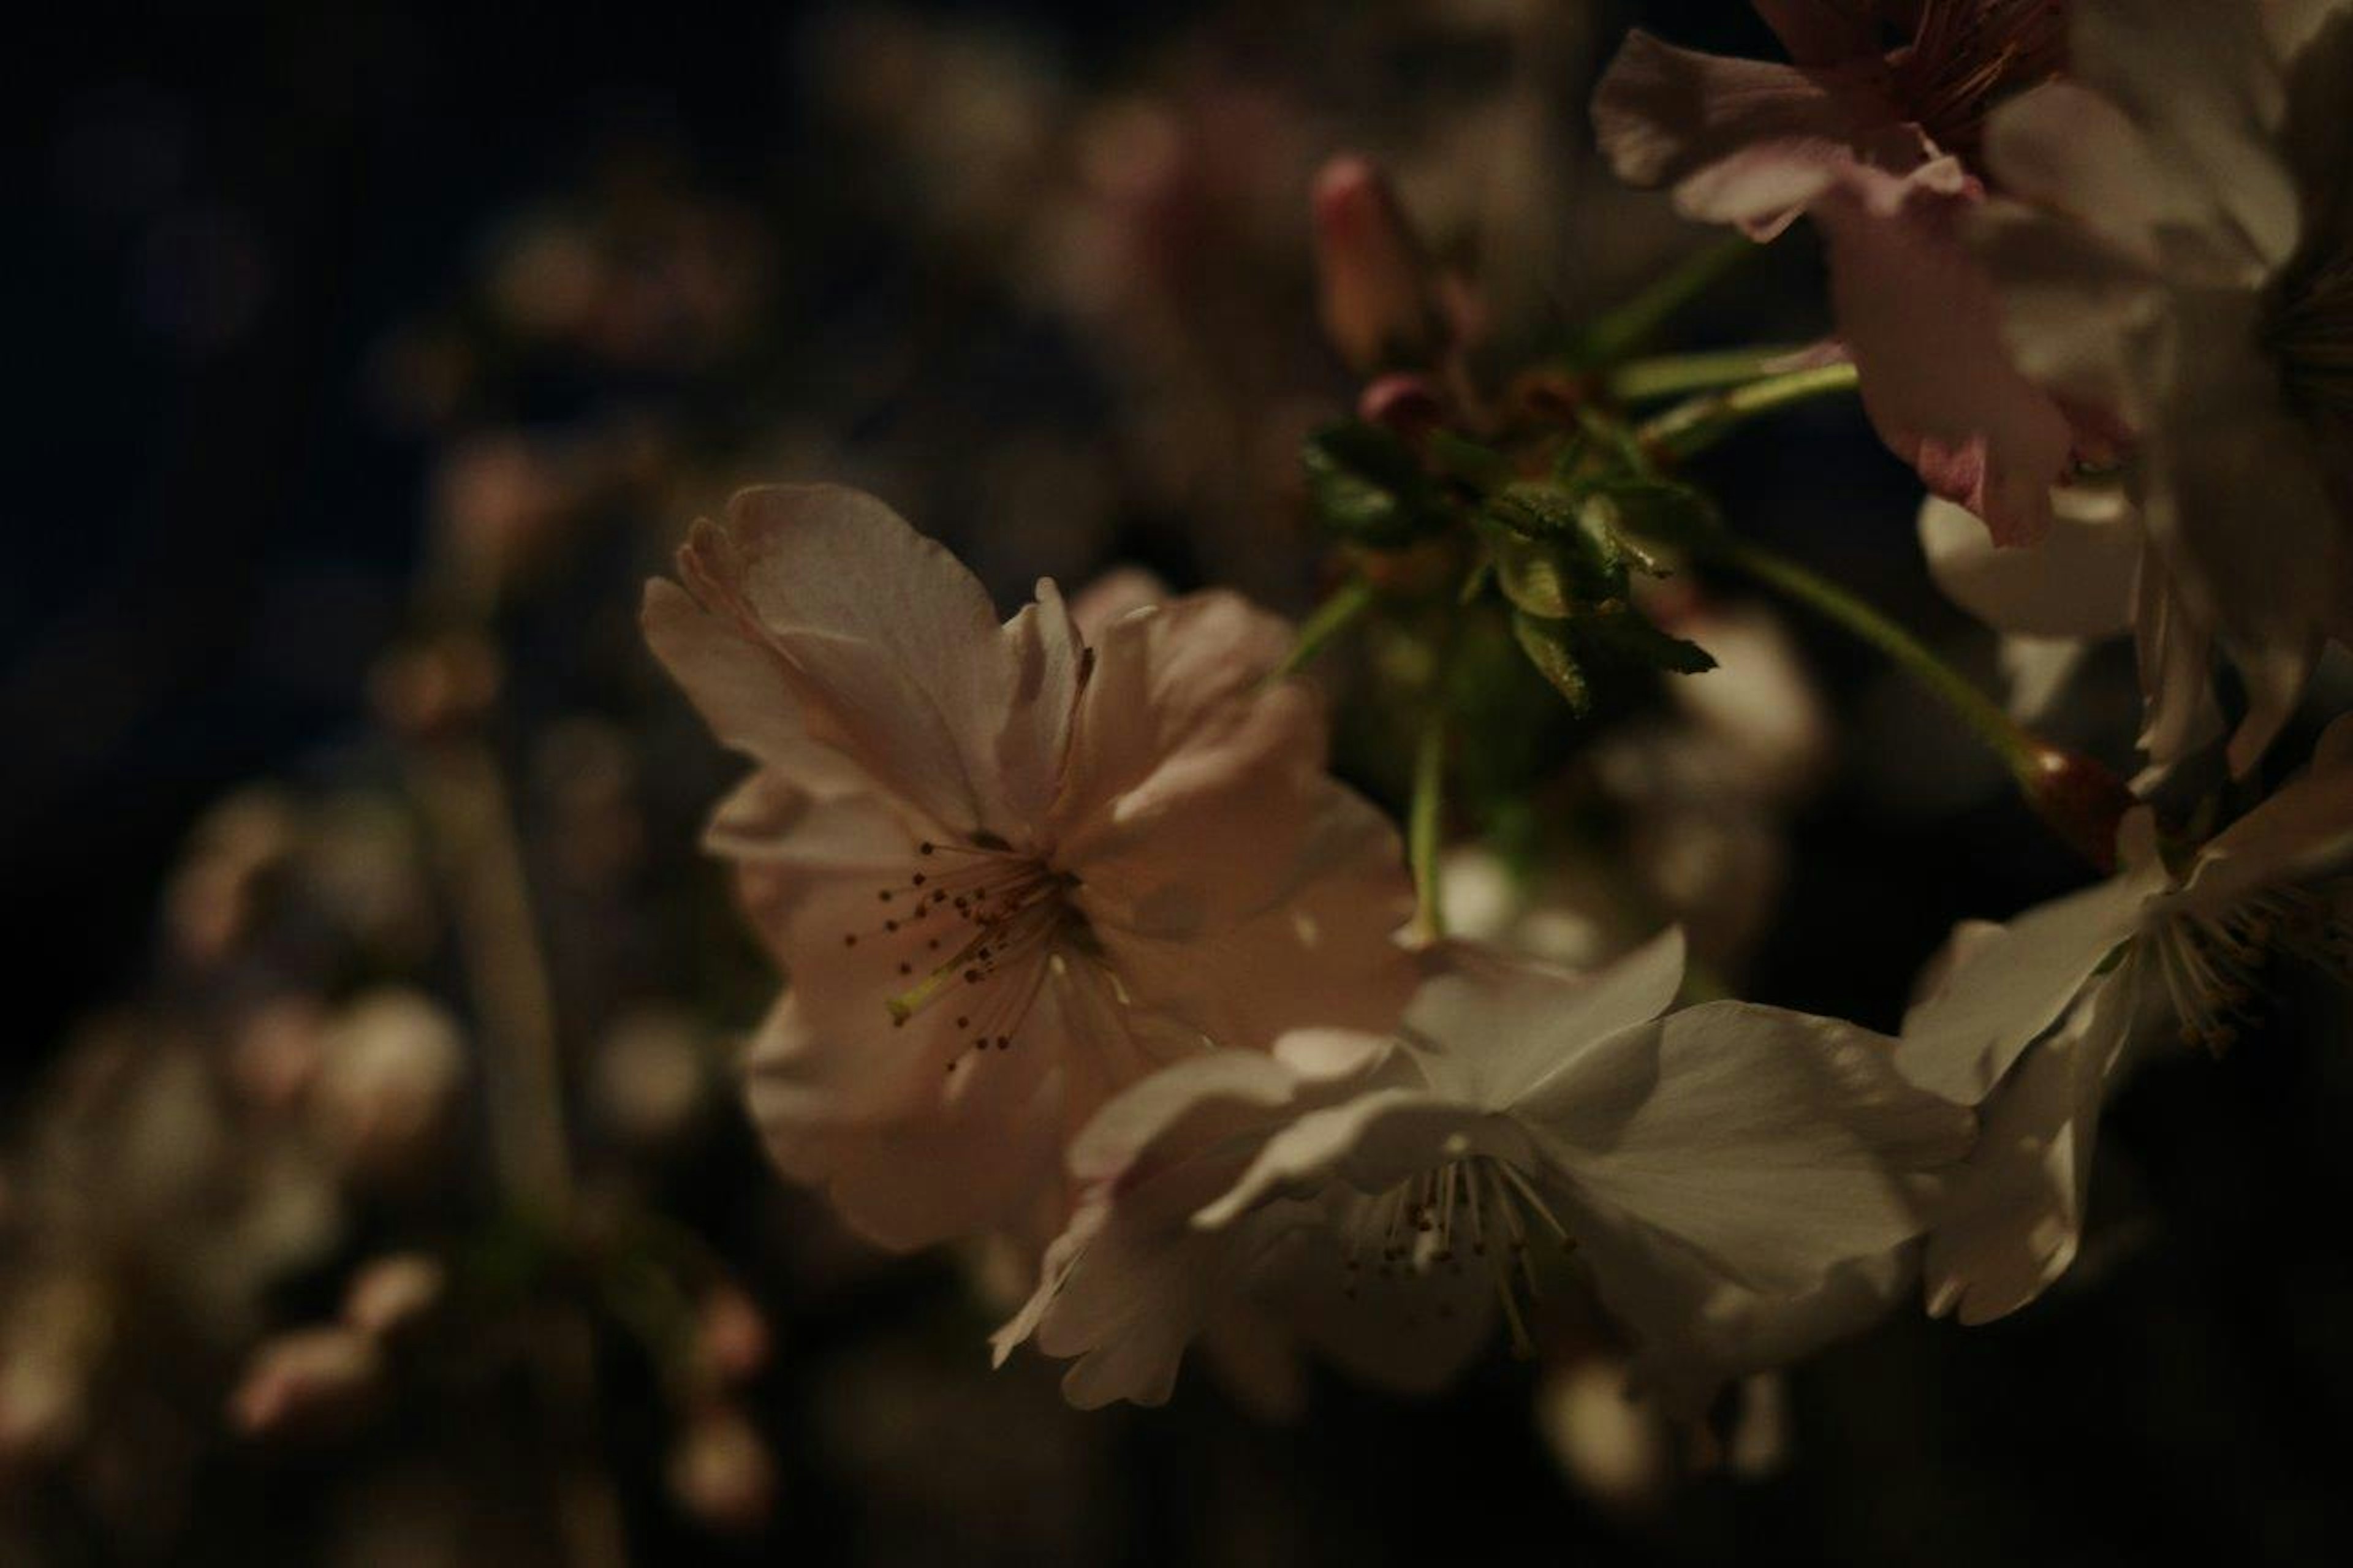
1332,617
2020,752
1673,375
1636,322
1424,820
1690,427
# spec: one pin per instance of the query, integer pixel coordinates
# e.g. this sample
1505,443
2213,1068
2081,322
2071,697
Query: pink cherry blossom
1879,147
1009,869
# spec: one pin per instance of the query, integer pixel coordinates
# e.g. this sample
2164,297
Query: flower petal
1738,137
2304,832
1494,1031
1369,1142
891,647
2011,989
1774,1145
785,843
2203,82
2076,582
938,1169
741,690
2011,1223
1695,1332
2178,714
1921,318
1321,949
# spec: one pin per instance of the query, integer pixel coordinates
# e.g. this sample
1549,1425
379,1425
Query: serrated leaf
1367,486
1625,634
1550,647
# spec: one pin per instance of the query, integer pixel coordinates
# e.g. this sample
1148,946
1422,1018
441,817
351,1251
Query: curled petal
2010,990
2010,1224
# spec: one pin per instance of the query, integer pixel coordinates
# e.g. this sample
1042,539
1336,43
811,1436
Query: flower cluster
1086,952
1086,947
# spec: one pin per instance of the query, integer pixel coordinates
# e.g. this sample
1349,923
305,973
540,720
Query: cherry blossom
1009,869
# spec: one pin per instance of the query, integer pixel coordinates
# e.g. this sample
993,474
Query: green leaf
1535,509
1623,634
1459,457
1531,574
1660,511
1549,647
1367,486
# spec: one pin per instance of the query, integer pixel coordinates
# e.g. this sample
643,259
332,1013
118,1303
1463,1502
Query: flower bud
2080,801
1378,303
1411,406
731,1338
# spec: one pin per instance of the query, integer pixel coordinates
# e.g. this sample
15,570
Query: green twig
1636,322
1674,376
1331,617
1692,426
2020,752
1424,823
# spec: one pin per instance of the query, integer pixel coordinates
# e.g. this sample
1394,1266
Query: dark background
218,212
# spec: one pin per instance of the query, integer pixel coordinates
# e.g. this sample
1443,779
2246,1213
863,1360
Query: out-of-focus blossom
2177,254
1727,1146
388,1294
2036,1019
215,898
655,275
274,1057
721,1471
54,1331
1611,1448
312,1381
1881,148
731,1337
651,1075
1010,871
389,1071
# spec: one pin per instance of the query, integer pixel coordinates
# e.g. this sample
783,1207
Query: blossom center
1967,55
2213,965
974,926
1477,1203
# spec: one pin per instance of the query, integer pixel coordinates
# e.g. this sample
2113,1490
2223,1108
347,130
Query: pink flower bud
731,1338
1408,406
1377,293
311,1381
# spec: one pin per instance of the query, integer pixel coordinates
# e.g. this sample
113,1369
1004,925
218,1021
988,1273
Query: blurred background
366,360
